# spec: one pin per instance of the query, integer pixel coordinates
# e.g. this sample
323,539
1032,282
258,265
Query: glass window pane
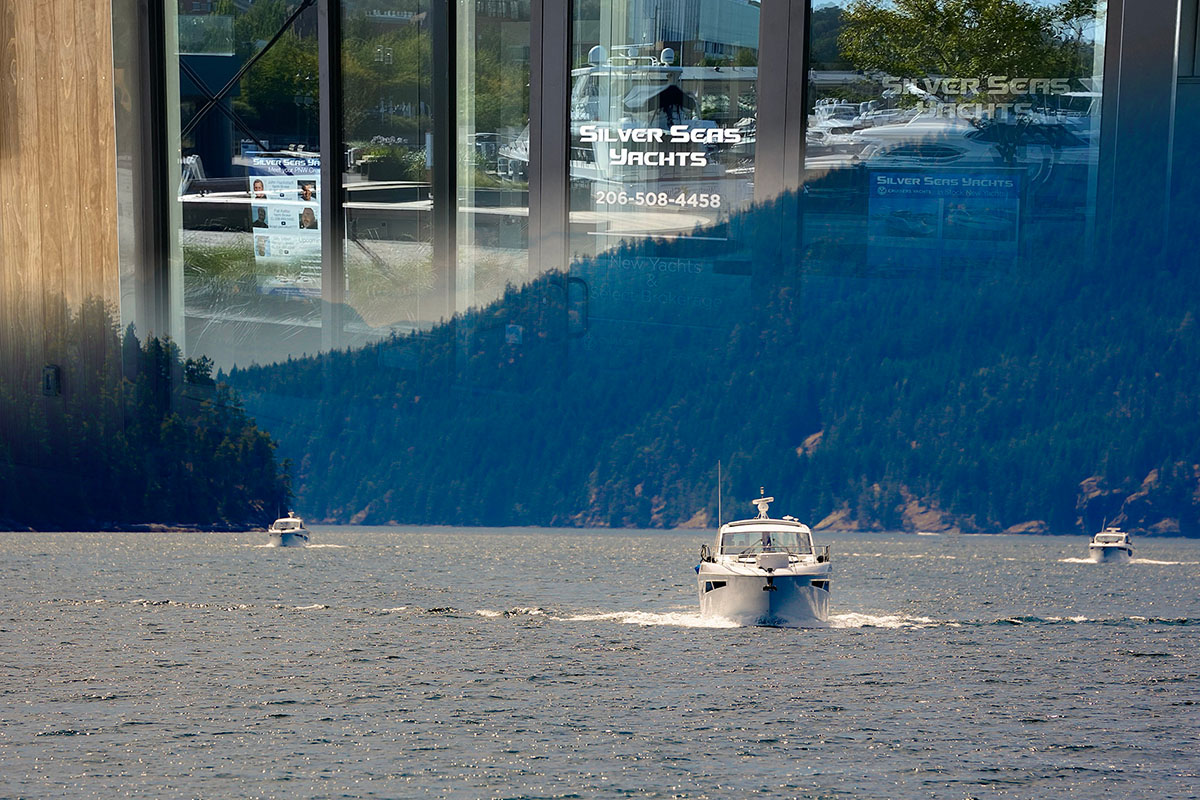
247,264
388,129
959,157
493,141
662,109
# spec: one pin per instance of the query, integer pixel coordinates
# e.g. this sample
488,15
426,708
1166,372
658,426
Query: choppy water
541,664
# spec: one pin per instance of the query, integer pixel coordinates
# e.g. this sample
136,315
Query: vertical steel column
152,177
333,218
445,149
782,80
797,94
1137,127
782,118
549,73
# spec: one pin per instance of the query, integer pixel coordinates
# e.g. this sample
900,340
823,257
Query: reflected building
463,153
471,146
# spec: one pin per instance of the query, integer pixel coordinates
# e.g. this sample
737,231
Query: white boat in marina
1111,545
765,571
288,531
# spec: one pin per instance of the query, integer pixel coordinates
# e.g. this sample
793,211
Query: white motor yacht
288,531
1111,544
765,571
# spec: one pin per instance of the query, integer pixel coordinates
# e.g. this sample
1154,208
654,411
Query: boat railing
820,552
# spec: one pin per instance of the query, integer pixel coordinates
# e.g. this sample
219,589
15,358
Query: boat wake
1152,561
691,619
845,621
924,556
144,603
520,611
324,546
848,620
854,620
677,619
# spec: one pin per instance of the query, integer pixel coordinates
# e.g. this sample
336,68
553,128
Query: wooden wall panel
100,111
48,119
10,239
58,229
23,193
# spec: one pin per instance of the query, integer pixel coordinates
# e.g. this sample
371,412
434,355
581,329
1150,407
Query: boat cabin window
1110,538
749,542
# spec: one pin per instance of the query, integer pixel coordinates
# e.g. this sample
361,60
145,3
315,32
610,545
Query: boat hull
746,600
289,539
1111,555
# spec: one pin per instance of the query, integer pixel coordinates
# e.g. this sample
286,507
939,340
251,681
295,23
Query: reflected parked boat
636,124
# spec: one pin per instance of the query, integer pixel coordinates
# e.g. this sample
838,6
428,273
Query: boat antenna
718,494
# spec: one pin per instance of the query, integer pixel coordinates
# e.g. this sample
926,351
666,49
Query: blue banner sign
922,220
285,220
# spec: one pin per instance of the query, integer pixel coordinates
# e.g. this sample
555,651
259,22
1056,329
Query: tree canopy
139,434
966,38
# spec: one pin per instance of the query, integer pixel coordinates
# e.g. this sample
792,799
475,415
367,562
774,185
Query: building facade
459,148
450,145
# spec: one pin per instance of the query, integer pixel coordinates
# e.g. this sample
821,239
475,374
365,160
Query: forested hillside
1052,396
135,434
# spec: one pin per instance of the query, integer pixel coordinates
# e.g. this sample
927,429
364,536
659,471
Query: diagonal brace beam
231,114
216,99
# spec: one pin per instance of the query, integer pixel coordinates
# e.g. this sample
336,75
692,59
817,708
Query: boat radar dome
762,503
667,56
597,56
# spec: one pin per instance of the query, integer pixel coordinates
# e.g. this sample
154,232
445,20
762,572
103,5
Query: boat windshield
1110,538
746,542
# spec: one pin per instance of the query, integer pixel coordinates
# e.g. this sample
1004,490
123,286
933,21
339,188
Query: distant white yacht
1111,544
765,571
288,531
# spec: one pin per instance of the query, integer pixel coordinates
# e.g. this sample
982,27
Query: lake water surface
443,662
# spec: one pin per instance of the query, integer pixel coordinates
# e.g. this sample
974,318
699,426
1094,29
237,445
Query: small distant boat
288,531
765,571
1111,544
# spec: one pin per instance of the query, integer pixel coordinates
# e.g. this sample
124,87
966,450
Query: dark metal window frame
152,176
1137,125
333,220
782,86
